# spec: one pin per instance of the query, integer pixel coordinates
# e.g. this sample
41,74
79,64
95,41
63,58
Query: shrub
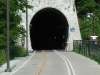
17,51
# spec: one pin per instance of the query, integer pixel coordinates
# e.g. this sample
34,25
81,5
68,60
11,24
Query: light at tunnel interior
49,30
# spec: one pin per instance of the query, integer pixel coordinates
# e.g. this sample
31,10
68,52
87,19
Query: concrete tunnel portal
48,29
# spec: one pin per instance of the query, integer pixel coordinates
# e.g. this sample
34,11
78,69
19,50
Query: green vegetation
17,51
17,7
88,49
86,24
2,56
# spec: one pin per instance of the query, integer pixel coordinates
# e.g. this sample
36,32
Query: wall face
67,7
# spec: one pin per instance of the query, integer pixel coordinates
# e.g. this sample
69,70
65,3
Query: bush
17,51
2,56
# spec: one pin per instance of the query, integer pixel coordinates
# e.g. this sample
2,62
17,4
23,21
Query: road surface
53,62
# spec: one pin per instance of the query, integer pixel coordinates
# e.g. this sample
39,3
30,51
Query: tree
88,6
16,8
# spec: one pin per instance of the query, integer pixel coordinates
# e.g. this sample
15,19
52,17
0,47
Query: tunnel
48,29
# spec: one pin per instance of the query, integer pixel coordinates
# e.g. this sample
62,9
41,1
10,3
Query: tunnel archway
49,29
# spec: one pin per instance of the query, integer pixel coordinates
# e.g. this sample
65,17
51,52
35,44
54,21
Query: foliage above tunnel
17,7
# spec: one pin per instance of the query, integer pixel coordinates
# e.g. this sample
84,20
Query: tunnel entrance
48,30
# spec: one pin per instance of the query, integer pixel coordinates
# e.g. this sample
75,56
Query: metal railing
88,48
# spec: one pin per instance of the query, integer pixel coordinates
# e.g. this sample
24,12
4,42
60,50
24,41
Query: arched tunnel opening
48,30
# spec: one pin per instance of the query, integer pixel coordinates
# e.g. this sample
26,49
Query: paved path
82,65
55,63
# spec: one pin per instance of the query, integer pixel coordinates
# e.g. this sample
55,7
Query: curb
12,64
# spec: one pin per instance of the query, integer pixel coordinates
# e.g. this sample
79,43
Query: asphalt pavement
53,63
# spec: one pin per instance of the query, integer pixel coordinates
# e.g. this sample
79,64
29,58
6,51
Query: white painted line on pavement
67,62
22,65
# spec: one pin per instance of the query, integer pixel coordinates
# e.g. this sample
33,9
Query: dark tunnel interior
48,30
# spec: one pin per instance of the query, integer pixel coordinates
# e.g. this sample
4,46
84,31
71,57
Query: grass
15,51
